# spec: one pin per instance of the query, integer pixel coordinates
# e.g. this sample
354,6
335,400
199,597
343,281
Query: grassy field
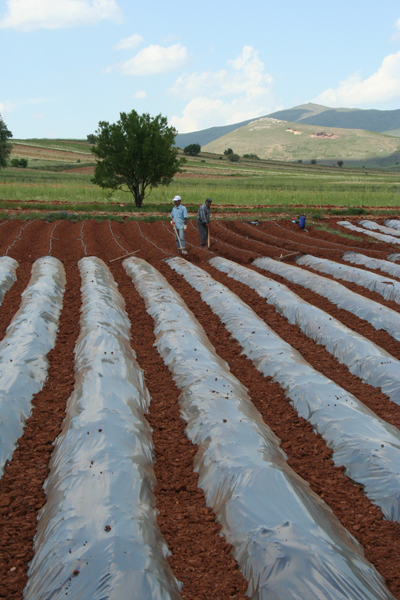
58,179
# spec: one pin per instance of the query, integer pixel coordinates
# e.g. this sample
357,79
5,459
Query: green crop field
58,178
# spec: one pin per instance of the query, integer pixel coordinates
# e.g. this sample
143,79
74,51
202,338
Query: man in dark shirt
203,221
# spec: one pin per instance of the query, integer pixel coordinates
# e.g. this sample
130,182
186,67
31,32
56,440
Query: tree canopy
192,149
136,152
5,147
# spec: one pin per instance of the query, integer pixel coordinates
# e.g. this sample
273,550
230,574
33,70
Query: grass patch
323,227
352,210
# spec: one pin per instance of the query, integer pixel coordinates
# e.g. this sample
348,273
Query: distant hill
276,139
380,121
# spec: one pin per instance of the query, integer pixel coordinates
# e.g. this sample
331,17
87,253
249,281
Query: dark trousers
203,231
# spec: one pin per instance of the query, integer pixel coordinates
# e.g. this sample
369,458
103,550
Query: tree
136,152
254,156
313,161
19,162
192,149
91,138
228,151
340,163
5,147
233,157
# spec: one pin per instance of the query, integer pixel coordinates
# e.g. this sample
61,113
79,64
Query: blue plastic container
302,221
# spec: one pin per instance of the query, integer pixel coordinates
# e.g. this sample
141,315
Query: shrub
254,156
313,161
228,151
233,157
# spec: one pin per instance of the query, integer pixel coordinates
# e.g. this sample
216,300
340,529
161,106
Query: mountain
275,139
380,121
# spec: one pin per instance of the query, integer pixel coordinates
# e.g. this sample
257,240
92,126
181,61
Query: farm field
189,518
59,174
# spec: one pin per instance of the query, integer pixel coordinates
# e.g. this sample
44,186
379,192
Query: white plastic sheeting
385,286
286,540
97,535
8,267
379,316
29,337
393,223
394,257
362,357
390,239
376,227
365,445
373,263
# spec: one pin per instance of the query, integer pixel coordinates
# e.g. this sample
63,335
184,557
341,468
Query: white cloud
6,107
129,43
25,15
246,75
155,60
140,94
383,86
396,36
244,81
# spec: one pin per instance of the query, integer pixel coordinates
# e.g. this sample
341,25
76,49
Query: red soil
200,557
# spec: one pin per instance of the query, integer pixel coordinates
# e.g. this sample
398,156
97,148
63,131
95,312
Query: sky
66,65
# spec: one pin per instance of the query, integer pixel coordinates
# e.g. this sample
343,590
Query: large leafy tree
5,147
137,153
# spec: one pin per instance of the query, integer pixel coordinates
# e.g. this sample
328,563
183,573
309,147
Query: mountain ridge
378,121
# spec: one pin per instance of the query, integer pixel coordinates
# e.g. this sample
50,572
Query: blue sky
68,64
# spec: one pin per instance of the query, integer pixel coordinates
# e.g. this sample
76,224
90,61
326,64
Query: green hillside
281,140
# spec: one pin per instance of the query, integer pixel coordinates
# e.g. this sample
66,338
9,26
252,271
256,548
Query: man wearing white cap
179,218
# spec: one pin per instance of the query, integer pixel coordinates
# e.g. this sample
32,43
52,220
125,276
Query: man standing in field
203,221
179,218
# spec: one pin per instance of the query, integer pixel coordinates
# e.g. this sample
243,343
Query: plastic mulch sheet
288,543
390,239
29,337
8,267
373,263
393,223
375,226
378,315
97,535
362,357
368,447
385,286
394,257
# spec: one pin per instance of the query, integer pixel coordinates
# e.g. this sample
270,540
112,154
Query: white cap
177,198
